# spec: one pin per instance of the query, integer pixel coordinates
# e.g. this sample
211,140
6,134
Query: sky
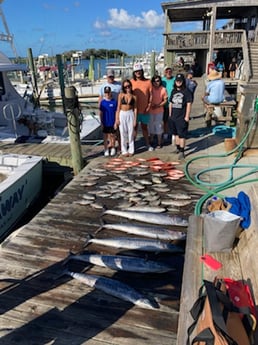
54,26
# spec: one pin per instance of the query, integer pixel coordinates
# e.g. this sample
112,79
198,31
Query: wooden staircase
253,56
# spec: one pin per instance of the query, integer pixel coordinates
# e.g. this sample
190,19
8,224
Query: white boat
20,118
20,186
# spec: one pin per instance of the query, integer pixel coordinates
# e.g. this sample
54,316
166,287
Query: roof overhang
188,11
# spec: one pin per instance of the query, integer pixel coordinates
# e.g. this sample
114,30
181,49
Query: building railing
200,40
223,39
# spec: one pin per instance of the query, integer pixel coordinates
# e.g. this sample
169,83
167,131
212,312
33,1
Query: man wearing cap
142,88
215,89
112,83
168,82
180,103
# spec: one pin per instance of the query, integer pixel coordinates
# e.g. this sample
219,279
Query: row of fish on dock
138,193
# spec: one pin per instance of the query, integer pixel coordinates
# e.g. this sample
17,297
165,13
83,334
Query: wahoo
136,244
147,231
114,288
123,263
149,217
146,209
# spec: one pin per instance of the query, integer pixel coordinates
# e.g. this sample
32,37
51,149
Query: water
99,66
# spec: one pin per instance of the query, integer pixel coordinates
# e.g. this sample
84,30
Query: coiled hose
214,189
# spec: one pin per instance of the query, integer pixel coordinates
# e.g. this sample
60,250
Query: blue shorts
143,118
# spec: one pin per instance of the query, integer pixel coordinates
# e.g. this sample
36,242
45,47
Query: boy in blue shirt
107,114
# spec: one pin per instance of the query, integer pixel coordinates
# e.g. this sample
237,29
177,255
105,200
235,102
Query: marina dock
39,305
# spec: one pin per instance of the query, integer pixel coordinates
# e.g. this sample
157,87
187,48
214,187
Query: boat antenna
6,37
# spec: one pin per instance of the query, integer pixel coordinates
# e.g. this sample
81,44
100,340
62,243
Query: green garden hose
214,189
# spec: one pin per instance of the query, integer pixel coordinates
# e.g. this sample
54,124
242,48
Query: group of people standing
160,105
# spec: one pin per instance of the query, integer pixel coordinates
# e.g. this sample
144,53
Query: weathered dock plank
237,264
39,305
53,152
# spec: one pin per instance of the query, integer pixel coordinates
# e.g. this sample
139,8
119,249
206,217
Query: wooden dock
38,306
52,152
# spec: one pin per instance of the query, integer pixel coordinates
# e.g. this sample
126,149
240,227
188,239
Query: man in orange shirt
142,89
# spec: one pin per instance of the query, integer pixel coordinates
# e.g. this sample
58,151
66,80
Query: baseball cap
107,89
137,67
167,67
110,73
180,77
190,71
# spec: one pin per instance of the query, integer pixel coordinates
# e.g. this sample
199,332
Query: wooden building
238,37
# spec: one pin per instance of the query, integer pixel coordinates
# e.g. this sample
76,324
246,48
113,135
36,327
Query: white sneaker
150,148
106,153
112,151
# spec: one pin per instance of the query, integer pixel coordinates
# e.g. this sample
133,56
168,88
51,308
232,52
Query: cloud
99,25
120,19
105,33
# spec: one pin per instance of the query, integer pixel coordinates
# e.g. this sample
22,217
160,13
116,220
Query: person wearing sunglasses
159,99
114,85
126,118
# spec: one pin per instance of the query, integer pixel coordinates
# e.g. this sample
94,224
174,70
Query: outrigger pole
6,37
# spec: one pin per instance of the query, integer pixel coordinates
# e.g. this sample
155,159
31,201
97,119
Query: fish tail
68,258
104,210
62,273
102,223
87,242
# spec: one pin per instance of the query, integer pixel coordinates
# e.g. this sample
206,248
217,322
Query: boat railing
12,112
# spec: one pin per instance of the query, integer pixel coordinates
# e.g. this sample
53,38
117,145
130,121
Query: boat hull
19,190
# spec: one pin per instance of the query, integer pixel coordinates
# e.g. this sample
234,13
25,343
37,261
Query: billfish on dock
114,288
149,217
123,263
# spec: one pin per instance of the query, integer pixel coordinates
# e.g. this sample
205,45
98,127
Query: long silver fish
114,288
123,263
142,208
176,202
136,244
149,217
147,231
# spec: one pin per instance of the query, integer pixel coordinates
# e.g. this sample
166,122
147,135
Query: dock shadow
207,139
81,320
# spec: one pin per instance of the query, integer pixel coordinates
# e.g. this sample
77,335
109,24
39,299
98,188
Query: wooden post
60,67
34,77
73,119
212,14
91,69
